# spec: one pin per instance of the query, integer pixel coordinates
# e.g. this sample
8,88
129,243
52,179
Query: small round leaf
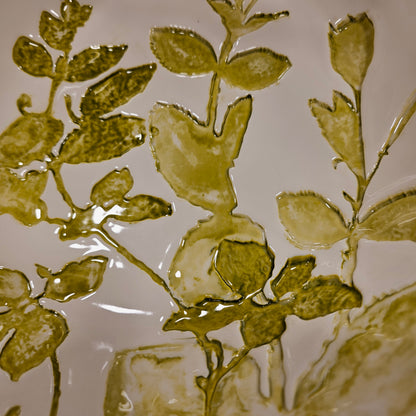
14,287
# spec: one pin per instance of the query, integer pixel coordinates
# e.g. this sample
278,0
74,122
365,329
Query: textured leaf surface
340,126
111,189
14,287
255,69
94,61
191,275
31,137
352,46
244,267
75,280
117,89
21,197
32,57
75,14
100,139
55,32
310,220
36,338
295,273
258,20
182,51
391,220
193,159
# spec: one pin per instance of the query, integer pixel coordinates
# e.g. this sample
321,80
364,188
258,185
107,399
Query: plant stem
60,186
56,385
277,375
138,263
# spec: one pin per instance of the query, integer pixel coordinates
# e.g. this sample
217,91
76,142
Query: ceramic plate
209,208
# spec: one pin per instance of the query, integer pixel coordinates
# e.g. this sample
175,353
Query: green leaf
75,14
193,159
244,267
100,139
14,411
352,46
341,127
31,137
310,220
20,197
191,275
36,338
75,280
32,57
323,295
255,69
182,51
263,325
94,61
55,32
117,89
209,315
231,16
110,190
294,274
258,20
14,287
391,220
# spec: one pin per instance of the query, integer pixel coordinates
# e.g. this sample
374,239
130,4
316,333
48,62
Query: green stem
138,263
277,375
56,385
56,82
60,186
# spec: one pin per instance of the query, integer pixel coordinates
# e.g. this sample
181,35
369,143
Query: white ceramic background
283,150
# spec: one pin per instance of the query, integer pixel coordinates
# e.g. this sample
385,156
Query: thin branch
56,385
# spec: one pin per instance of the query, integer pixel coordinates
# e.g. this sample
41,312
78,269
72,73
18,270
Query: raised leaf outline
391,220
14,411
244,266
310,220
14,287
341,127
55,32
255,69
31,137
75,280
182,51
21,197
193,159
75,14
117,89
32,57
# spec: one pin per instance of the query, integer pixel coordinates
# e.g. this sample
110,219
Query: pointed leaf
321,296
32,57
263,325
14,287
21,197
352,46
294,274
255,69
36,338
310,220
31,137
182,51
193,159
258,20
55,32
117,89
75,14
75,280
111,189
100,139
14,411
94,61
244,267
391,220
340,126
231,16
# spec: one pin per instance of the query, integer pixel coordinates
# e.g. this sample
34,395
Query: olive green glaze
14,411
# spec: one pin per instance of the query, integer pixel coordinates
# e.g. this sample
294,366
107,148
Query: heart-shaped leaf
193,159
100,139
37,336
391,220
182,51
31,137
20,197
14,287
310,220
244,267
341,127
32,57
255,69
55,32
75,280
94,61
75,14
117,89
